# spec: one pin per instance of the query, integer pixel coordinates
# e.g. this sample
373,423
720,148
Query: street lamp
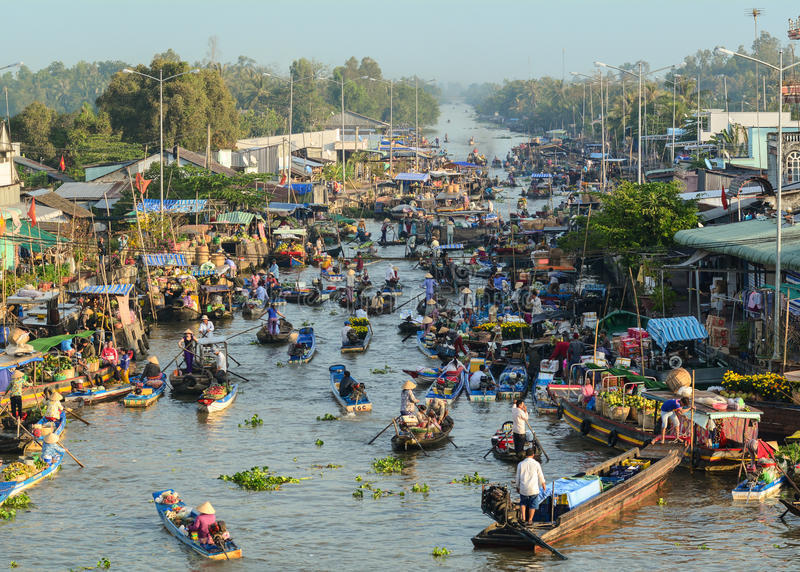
11,65
674,85
640,77
603,169
780,69
160,79
391,119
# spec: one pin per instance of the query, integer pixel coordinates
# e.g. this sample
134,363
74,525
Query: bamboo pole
638,320
143,250
786,333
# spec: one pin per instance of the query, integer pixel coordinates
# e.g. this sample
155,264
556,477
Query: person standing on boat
359,262
530,481
350,284
430,286
392,278
408,401
206,327
189,345
575,350
384,230
221,361
15,389
273,269
206,516
51,449
450,230
519,416
669,415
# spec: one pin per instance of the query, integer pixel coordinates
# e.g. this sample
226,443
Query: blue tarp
172,206
166,259
110,289
667,330
299,188
413,177
541,176
466,165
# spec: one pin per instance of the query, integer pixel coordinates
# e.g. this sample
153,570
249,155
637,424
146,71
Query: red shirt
560,351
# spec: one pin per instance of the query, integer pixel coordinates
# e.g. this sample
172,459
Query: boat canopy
237,217
102,290
45,344
166,259
7,361
172,205
212,340
541,176
680,329
413,177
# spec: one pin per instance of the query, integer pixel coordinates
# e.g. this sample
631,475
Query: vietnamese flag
32,211
62,165
141,183
724,199
283,179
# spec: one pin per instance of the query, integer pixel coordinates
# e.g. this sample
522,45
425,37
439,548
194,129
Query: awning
7,361
172,205
166,259
466,165
697,256
45,344
32,237
236,217
681,329
110,289
413,177
541,176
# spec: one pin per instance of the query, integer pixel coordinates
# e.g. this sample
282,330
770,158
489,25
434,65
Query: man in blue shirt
669,415
261,295
273,269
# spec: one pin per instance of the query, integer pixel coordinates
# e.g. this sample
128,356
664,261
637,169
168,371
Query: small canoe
361,345
503,445
211,551
448,386
758,490
426,351
306,337
346,403
513,381
480,395
9,489
253,309
411,438
212,405
99,394
284,330
424,376
147,397
331,277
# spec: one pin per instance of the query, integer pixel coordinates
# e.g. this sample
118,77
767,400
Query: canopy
541,176
620,321
342,219
299,188
172,205
466,165
236,217
681,329
166,259
110,289
413,177
45,344
31,236
7,361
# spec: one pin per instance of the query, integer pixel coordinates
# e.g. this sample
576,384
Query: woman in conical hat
408,401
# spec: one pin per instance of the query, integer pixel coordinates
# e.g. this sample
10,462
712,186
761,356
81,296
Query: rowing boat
330,277
757,490
426,351
306,337
424,376
99,394
583,500
513,381
211,551
209,405
361,345
284,330
11,442
348,404
410,438
448,386
147,397
480,395
9,489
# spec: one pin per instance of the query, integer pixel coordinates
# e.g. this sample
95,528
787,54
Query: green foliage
383,371
258,479
389,464
789,452
254,421
423,488
104,564
375,491
13,564
474,479
327,417
634,218
440,552
319,442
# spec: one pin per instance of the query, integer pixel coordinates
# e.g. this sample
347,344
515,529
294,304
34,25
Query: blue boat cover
541,176
110,289
413,177
172,205
166,259
466,165
684,328
300,188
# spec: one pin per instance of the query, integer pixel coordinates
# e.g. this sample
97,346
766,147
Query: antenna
754,13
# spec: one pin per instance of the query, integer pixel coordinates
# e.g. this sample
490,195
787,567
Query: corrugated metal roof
90,191
172,205
414,177
684,328
235,217
110,289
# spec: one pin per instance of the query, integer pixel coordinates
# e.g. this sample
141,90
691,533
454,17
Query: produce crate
643,463
147,391
619,413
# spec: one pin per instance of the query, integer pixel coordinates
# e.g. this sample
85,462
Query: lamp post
602,126
160,79
391,120
674,85
780,69
640,77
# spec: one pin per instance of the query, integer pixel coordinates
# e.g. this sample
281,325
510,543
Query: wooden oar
76,416
538,540
536,440
417,443
247,330
408,301
503,436
62,446
381,432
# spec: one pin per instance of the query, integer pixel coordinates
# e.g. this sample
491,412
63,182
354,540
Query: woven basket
619,413
678,378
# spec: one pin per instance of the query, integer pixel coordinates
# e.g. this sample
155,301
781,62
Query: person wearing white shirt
361,313
519,416
536,303
206,327
530,480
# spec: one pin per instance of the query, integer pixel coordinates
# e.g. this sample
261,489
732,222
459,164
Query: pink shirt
200,525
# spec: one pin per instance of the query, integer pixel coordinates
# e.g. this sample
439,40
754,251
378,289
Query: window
793,167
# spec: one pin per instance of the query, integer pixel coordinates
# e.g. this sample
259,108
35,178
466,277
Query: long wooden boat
615,494
361,345
331,277
411,438
253,308
480,395
448,386
424,376
148,395
791,506
9,489
99,394
426,351
306,337
778,419
212,552
284,330
213,405
348,404
508,388
759,490
10,442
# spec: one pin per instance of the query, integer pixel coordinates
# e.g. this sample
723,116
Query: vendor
152,370
51,449
408,401
669,415
206,327
109,355
188,344
205,518
53,407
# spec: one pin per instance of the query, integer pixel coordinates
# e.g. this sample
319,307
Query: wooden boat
212,405
346,403
480,395
331,277
12,442
10,489
302,295
757,490
507,386
426,351
99,394
177,312
253,308
778,419
410,438
306,337
601,496
148,395
204,367
791,506
410,324
212,552
503,445
387,290
284,330
424,376
447,386
361,345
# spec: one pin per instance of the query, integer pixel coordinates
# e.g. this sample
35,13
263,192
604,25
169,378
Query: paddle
451,442
62,446
381,432
417,443
411,300
503,436
247,330
536,440
76,416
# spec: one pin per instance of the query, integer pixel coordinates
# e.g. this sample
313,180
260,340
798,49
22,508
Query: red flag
62,165
724,199
141,183
283,179
32,210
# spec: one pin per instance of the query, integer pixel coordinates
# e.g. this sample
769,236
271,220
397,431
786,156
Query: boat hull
347,404
404,442
305,336
18,487
760,491
219,404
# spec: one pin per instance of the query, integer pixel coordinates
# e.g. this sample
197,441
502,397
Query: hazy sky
465,40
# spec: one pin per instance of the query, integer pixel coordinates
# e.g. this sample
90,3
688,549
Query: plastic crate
642,463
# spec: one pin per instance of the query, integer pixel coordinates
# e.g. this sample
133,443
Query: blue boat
426,351
448,386
146,398
331,277
507,386
212,405
758,490
478,394
347,403
210,551
361,345
99,394
9,489
306,337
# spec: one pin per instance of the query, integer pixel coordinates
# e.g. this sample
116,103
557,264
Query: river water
104,510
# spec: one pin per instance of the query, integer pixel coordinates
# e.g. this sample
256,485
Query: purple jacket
200,525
